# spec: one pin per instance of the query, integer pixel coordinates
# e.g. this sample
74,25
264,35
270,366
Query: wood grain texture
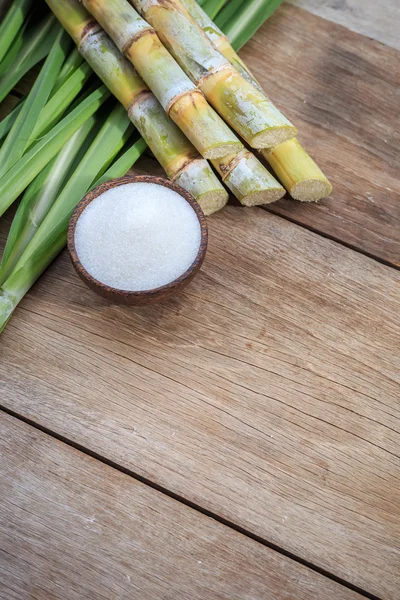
74,528
342,90
377,19
266,393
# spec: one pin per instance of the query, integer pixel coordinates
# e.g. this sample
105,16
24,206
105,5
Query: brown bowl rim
127,296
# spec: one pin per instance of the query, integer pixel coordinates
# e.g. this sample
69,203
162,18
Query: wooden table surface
242,439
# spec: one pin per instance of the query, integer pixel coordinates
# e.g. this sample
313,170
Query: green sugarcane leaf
20,135
51,236
9,120
29,166
55,107
36,46
39,197
213,7
230,11
16,48
241,27
73,61
58,104
121,166
12,23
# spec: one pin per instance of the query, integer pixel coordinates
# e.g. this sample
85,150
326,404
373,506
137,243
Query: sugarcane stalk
241,104
294,167
248,179
180,160
179,97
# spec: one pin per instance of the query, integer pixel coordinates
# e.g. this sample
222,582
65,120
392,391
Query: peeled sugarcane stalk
177,156
238,101
295,168
181,100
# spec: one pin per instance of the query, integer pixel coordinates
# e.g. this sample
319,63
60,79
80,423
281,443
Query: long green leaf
212,7
243,24
36,46
121,166
59,103
52,234
29,166
55,107
16,48
20,135
232,8
39,197
9,120
12,23
73,61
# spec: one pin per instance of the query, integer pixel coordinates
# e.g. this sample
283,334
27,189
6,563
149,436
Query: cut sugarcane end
298,172
222,150
200,181
248,180
273,137
212,202
311,190
263,197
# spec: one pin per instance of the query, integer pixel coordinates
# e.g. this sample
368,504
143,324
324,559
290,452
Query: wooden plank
267,393
73,527
379,19
343,92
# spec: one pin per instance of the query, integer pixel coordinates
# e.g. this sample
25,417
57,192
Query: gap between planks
187,503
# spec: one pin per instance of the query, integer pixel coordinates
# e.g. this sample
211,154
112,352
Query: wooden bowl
118,296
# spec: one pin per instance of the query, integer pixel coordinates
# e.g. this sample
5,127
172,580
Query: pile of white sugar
137,236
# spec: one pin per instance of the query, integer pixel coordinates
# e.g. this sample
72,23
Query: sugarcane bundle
246,110
179,97
294,167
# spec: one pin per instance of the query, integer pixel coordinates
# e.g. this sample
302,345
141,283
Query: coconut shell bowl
142,297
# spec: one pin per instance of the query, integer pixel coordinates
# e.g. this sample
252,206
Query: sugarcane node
186,165
138,99
137,298
135,38
90,28
226,168
185,94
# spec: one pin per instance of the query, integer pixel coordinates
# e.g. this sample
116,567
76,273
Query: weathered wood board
74,528
267,393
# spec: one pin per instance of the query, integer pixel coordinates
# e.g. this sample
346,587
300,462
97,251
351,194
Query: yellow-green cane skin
197,179
179,97
172,149
242,105
72,16
298,172
112,68
219,40
295,168
249,181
